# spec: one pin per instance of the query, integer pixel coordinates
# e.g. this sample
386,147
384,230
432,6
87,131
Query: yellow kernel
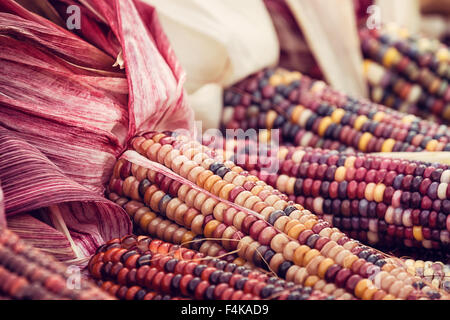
359,122
296,230
349,161
337,115
443,55
296,113
299,254
311,281
369,191
339,175
379,192
323,126
391,57
270,118
361,287
348,261
275,80
379,116
323,267
310,224
366,65
431,145
311,254
369,292
364,141
388,145
417,233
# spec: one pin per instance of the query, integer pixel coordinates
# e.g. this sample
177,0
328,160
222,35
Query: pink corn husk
50,240
57,106
31,181
155,77
67,111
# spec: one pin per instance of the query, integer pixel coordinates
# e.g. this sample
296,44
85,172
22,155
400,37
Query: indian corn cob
124,292
27,273
386,89
141,268
309,113
238,207
374,199
434,272
413,69
151,219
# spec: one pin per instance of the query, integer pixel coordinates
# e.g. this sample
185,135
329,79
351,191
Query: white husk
335,44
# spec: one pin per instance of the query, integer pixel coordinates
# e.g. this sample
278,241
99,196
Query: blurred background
221,42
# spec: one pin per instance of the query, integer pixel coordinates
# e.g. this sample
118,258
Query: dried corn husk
441,7
295,53
31,181
405,13
50,240
44,9
334,44
218,43
67,110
